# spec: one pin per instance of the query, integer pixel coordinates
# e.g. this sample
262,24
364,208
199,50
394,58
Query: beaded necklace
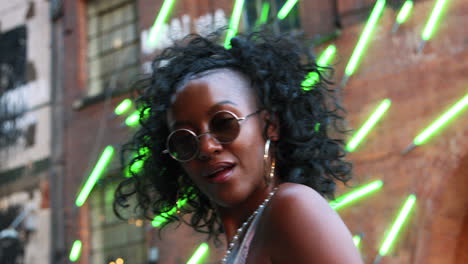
235,239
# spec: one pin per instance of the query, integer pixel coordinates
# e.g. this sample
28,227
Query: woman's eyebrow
217,105
211,111
176,124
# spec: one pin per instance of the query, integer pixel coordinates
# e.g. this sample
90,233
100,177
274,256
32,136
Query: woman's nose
208,146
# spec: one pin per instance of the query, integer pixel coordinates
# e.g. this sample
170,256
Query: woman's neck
233,217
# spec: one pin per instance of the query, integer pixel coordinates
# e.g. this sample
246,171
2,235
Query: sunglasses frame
197,137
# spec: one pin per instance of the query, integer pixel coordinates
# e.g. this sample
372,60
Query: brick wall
421,86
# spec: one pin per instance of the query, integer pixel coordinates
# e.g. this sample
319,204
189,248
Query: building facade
25,131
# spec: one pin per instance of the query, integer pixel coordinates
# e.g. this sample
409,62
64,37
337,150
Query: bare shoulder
302,228
299,205
291,195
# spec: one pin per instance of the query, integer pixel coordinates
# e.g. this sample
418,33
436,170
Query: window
12,75
113,238
113,48
12,59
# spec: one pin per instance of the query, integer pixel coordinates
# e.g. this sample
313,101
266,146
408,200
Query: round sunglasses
184,145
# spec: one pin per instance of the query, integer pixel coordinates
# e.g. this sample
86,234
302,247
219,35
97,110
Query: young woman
239,136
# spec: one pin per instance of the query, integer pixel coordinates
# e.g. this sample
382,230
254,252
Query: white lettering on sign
178,28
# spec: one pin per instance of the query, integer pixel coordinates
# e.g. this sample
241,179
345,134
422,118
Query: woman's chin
230,198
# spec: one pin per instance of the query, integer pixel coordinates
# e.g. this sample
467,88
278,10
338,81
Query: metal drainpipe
336,13
56,170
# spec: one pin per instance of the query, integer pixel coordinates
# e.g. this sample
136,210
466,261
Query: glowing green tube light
317,127
234,23
135,168
323,61
433,19
160,19
326,56
137,165
404,12
363,40
75,251
265,11
368,125
354,195
396,227
357,240
123,107
201,251
101,165
132,120
441,121
287,7
438,124
160,219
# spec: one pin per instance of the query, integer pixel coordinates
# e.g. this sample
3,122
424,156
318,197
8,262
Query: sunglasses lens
182,145
224,127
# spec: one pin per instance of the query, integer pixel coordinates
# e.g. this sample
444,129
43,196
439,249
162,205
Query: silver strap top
239,253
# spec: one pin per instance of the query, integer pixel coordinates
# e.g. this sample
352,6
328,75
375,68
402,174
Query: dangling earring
266,154
267,151
272,169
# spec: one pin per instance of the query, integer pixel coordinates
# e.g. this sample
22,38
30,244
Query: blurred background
66,108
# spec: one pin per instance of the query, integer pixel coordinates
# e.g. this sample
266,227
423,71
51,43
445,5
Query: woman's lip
212,168
221,176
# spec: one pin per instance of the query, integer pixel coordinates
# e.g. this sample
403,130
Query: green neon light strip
396,227
326,56
101,165
75,251
123,107
158,23
199,254
368,125
137,165
135,168
317,127
361,192
160,219
265,11
133,119
433,19
441,121
234,23
363,40
404,12
323,61
287,7
357,240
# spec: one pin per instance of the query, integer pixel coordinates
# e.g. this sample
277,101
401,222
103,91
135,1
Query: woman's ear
272,126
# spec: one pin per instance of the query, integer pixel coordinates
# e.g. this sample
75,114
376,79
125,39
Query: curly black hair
310,150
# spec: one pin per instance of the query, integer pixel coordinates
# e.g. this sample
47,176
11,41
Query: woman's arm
302,228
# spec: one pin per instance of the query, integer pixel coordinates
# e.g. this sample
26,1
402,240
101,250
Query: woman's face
227,173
